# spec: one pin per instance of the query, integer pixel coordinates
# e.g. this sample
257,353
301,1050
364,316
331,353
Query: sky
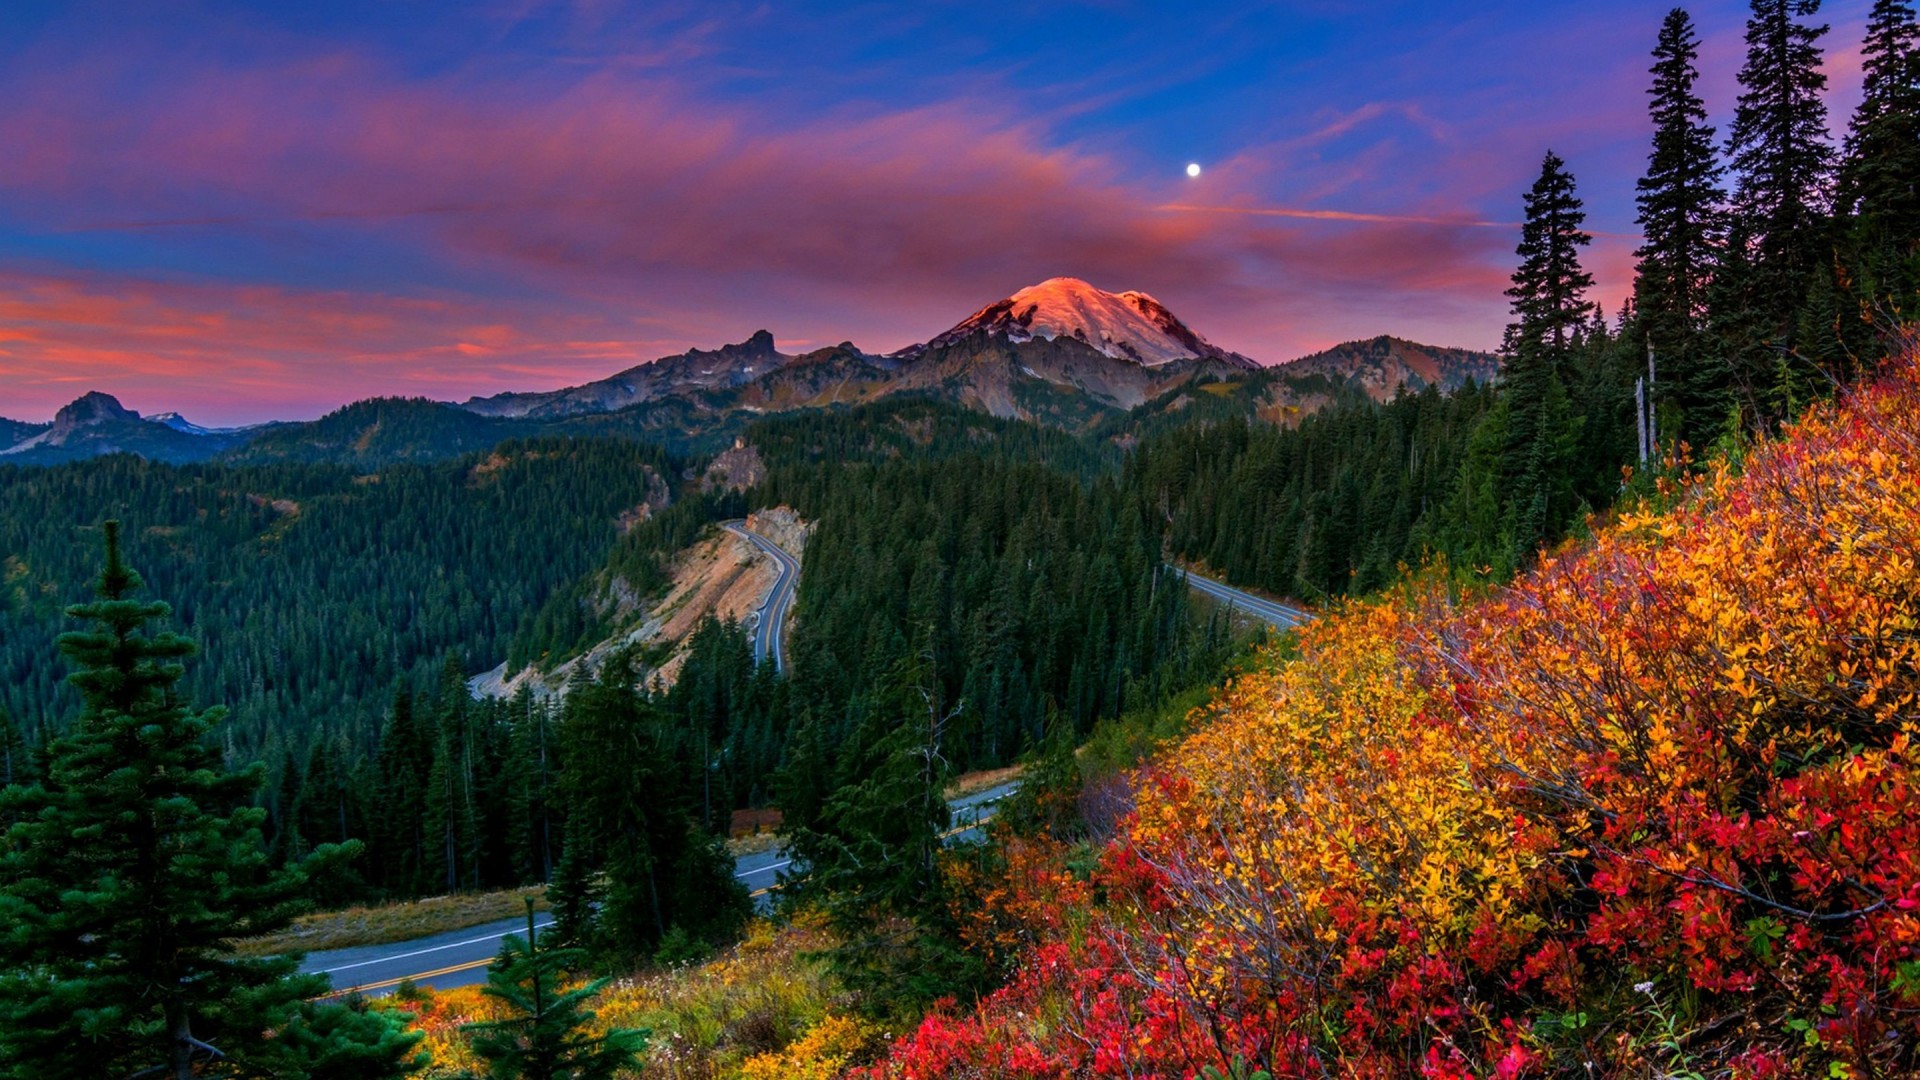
251,211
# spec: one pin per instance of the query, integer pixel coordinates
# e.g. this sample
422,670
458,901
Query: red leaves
1661,788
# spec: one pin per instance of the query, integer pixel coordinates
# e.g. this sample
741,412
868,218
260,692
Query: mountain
1062,353
381,431
96,423
697,369
187,427
1381,367
13,432
1122,326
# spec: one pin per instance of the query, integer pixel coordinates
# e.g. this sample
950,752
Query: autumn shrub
759,999
1650,811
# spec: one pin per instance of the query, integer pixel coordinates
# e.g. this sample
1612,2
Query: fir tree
873,853
404,763
1679,200
1548,294
16,758
128,873
1551,313
1880,173
633,796
548,1037
573,894
1879,184
1778,227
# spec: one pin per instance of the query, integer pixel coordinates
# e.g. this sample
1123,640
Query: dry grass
386,923
971,783
707,1020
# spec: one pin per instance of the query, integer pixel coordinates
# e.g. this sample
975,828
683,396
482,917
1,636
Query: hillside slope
1652,810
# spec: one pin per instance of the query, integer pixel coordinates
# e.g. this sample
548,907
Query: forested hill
313,590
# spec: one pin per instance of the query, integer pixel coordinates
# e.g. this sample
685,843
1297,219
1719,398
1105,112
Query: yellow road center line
397,980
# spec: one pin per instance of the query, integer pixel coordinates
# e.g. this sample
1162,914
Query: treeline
1332,507
131,856
460,793
1774,267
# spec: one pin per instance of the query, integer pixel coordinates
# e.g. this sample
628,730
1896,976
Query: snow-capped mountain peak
186,427
1127,326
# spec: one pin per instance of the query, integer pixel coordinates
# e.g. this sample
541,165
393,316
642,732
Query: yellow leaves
822,1053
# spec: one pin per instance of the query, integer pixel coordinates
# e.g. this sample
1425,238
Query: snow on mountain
1125,326
187,427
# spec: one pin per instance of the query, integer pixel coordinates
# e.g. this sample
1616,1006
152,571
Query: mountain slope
1061,352
380,431
14,432
694,370
1668,778
1381,367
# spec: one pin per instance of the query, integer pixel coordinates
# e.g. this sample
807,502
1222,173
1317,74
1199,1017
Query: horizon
160,413
241,214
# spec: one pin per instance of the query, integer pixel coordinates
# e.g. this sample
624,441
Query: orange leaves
1675,765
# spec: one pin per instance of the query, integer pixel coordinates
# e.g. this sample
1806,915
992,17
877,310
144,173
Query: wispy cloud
1355,216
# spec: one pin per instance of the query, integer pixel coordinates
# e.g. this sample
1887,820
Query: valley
693,543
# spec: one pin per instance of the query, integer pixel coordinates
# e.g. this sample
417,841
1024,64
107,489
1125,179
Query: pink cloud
226,353
618,194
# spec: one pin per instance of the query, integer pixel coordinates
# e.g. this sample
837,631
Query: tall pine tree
1679,200
1537,435
1879,185
128,873
1778,230
1549,291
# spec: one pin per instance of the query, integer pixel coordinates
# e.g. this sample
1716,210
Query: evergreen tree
128,872
873,853
1879,183
574,893
1535,417
1679,200
1880,172
633,797
1778,227
16,757
531,770
1549,291
345,1041
326,813
548,1037
403,845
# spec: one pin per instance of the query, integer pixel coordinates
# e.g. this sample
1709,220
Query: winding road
460,957
770,619
1278,615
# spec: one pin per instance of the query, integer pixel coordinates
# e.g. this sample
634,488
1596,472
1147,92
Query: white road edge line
423,952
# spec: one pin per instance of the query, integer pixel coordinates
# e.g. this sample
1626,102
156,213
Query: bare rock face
782,526
723,576
735,469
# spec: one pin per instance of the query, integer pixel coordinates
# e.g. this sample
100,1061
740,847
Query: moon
1193,169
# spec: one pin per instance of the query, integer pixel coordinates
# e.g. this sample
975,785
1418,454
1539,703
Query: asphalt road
1276,614
460,957
761,872
770,620
455,958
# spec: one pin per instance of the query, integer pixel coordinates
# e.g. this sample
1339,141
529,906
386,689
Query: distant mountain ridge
96,423
1062,352
1381,367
